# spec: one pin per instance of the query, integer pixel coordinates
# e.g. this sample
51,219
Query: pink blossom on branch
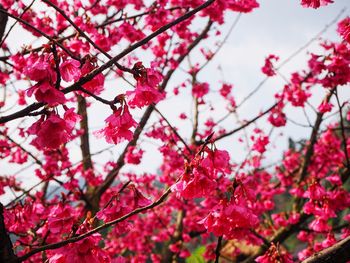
70,70
315,3
118,126
268,68
147,87
51,132
344,29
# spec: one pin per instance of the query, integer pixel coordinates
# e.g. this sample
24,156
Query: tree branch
339,252
6,252
112,61
120,163
159,201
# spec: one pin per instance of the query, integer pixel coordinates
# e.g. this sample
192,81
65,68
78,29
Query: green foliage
197,256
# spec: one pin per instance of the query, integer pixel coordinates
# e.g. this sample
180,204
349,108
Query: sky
279,27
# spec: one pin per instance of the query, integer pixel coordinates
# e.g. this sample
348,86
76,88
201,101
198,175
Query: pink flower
143,95
268,68
225,90
133,156
275,254
69,70
146,91
316,192
41,70
194,186
277,118
86,250
217,160
71,117
296,95
118,126
231,218
344,29
260,144
21,97
319,225
295,92
244,6
130,33
51,133
325,107
44,92
61,219
315,3
200,89
139,199
97,83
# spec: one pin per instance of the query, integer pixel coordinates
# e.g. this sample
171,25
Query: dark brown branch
218,249
22,113
345,145
98,98
312,140
3,22
339,252
84,143
246,124
84,138
174,130
6,251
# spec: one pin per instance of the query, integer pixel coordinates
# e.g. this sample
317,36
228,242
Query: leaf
197,256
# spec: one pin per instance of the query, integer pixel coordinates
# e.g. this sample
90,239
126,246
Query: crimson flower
118,126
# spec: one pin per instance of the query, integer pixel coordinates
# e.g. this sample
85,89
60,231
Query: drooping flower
147,90
41,70
69,70
231,218
50,133
194,184
217,160
118,126
71,117
53,131
45,92
143,95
